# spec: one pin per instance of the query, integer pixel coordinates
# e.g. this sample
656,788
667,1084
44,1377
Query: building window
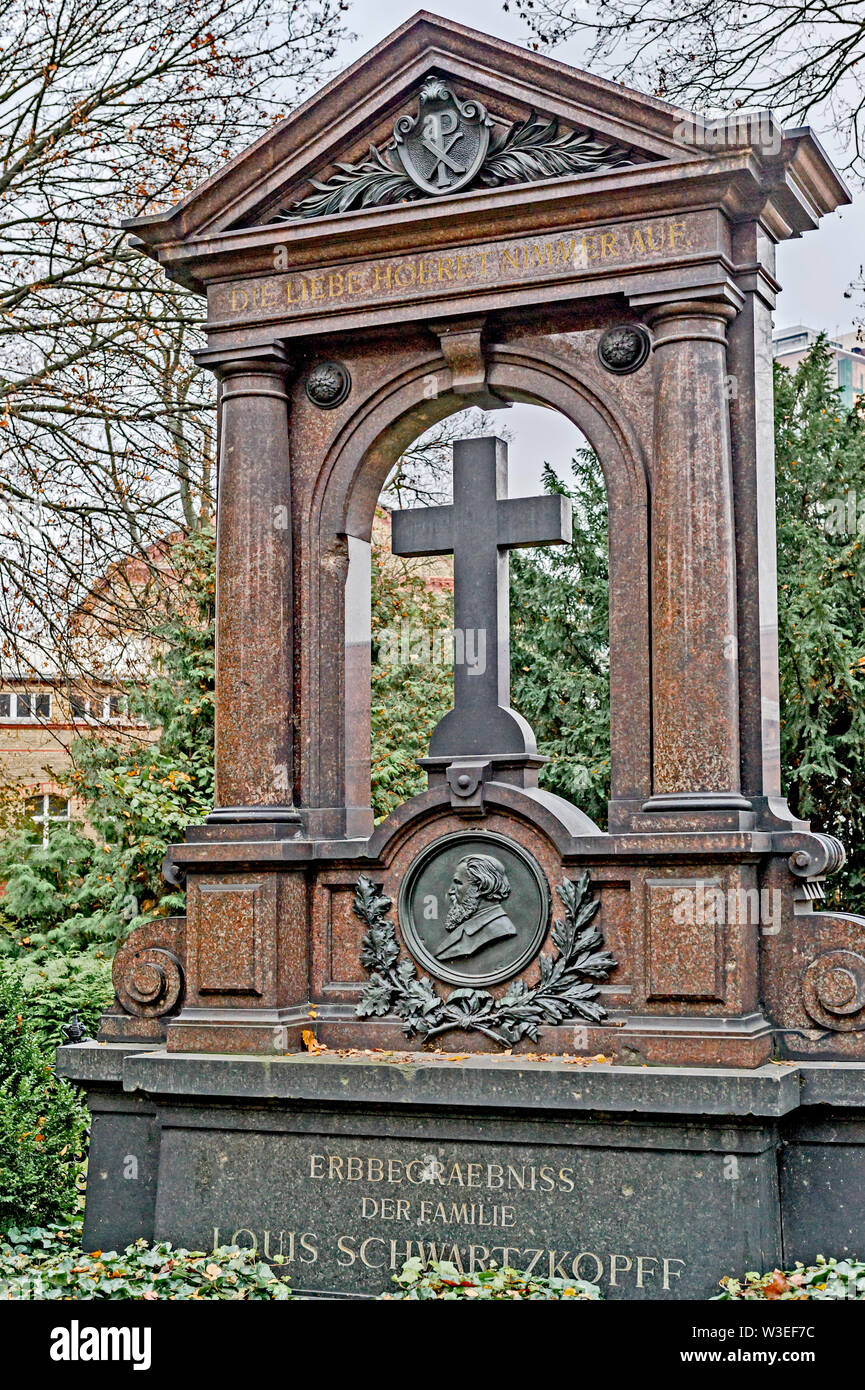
43,811
845,379
104,708
24,706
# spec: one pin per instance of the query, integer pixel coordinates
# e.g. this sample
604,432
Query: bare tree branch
109,109
804,58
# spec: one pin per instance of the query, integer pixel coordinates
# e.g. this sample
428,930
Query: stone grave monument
456,221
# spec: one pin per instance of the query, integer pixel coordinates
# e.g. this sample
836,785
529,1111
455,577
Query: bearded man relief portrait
475,917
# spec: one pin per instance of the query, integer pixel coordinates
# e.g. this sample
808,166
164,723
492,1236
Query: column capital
685,316
268,359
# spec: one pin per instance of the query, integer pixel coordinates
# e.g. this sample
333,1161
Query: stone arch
336,529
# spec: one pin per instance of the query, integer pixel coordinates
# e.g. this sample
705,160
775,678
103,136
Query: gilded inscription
497,263
617,1269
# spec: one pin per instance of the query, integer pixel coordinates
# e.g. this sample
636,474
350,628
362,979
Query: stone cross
478,530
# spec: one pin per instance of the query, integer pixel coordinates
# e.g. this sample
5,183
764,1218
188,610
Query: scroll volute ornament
833,990
148,972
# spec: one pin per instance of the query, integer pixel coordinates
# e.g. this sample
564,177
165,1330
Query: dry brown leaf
311,1043
776,1285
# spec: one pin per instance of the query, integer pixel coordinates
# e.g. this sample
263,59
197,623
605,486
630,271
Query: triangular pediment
545,119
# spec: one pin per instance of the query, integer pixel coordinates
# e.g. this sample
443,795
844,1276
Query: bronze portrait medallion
474,908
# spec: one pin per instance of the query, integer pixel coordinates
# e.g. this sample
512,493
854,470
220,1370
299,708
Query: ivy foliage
824,1280
419,1279
49,1263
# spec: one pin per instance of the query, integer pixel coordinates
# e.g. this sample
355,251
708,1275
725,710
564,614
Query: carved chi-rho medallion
443,146
474,908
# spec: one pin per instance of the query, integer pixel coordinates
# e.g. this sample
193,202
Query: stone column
749,358
694,658
254,598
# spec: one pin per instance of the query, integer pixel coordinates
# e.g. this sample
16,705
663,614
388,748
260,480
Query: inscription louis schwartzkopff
441,1206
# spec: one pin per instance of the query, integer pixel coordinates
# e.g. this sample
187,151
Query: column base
240,815
697,801
694,1040
695,811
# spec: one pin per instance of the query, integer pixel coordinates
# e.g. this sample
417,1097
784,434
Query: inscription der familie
497,262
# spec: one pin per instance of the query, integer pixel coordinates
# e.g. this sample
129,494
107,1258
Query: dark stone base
653,1181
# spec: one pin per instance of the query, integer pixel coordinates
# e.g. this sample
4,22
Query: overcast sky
814,270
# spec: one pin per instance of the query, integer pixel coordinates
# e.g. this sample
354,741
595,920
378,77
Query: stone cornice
735,182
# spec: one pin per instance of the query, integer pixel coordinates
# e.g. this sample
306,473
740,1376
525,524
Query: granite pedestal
654,1182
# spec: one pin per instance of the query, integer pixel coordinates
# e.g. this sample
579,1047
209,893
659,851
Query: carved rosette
833,990
328,385
625,348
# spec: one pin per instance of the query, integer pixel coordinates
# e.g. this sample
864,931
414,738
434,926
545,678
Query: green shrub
407,697
827,1279
42,1123
56,988
49,1264
76,893
68,895
440,1279
560,669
